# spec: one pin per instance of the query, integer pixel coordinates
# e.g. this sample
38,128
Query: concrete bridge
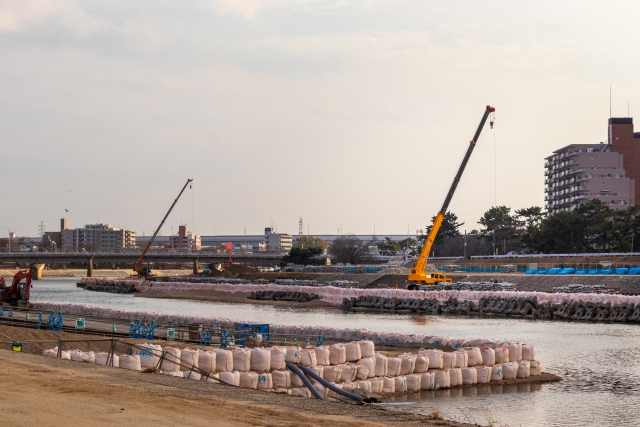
37,260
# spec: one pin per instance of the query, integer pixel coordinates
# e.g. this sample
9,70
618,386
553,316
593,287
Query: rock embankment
113,286
529,307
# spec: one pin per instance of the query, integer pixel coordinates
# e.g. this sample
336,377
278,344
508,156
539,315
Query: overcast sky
349,113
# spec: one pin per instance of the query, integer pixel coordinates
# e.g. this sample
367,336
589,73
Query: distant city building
577,173
277,241
100,237
185,240
625,141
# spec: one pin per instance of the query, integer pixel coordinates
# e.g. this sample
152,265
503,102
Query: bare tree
349,248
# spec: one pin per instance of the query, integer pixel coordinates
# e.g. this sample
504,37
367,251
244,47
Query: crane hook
491,124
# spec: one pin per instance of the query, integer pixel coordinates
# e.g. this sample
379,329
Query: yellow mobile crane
140,271
418,274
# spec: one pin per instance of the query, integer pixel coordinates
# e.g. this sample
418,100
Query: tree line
592,227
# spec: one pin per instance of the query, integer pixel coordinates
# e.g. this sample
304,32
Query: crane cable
495,161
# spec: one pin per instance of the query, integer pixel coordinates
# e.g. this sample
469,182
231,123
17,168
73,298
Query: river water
600,363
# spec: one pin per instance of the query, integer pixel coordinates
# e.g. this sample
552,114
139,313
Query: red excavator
17,292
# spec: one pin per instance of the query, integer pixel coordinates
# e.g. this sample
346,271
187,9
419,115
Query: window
622,202
604,192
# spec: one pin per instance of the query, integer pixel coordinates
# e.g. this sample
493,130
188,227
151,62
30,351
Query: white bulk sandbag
302,392
536,367
331,393
248,379
224,360
462,359
435,358
65,355
394,364
509,370
428,380
448,360
189,357
349,372
348,386
376,385
472,354
173,373
241,359
381,365
364,385
322,356
407,363
230,377
352,351
149,355
130,362
488,356
496,373
363,372
469,376
322,390
281,379
370,363
50,353
293,354
332,373
524,369
388,385
260,359
77,356
515,351
528,352
207,361
171,359
278,357
367,348
337,354
422,364
191,375
455,377
400,384
101,358
308,357
483,374
502,355
441,379
115,361
296,381
413,382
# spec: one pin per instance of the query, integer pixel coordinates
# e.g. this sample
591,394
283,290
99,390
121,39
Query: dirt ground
52,391
231,298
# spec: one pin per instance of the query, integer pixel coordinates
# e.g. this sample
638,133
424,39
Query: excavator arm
138,267
418,273
15,293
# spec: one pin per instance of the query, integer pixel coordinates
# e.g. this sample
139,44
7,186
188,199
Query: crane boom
138,267
418,273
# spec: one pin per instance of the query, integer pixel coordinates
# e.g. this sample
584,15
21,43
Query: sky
353,115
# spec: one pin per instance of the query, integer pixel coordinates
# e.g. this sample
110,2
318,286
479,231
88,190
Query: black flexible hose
305,380
328,385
